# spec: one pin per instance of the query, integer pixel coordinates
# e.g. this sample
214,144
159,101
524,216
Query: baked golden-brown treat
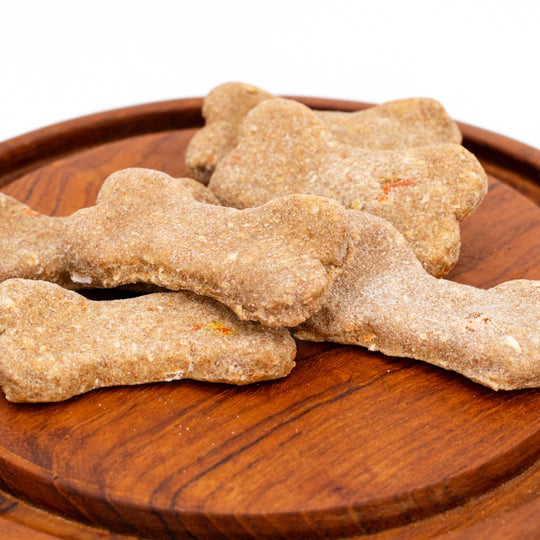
395,124
424,192
385,301
274,263
56,344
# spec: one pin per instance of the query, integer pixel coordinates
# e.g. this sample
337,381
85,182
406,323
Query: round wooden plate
351,443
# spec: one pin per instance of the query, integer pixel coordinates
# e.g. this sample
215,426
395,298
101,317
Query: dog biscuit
385,301
395,124
424,192
55,344
274,263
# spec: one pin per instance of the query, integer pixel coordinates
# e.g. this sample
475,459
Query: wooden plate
351,443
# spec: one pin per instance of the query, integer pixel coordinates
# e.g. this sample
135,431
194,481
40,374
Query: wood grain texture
351,443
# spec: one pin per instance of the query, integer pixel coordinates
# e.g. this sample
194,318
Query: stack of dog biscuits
402,123
235,280
324,225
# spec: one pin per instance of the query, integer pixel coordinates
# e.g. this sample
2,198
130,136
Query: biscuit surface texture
385,301
56,344
29,243
32,243
275,263
424,192
395,124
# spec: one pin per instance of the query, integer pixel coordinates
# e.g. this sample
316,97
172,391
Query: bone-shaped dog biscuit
395,124
55,344
385,301
424,192
274,263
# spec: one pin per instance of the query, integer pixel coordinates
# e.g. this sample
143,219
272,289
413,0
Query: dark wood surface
351,443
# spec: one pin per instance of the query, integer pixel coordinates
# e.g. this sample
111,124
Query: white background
63,59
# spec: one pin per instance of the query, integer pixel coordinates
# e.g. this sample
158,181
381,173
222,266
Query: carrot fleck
218,327
30,212
406,182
